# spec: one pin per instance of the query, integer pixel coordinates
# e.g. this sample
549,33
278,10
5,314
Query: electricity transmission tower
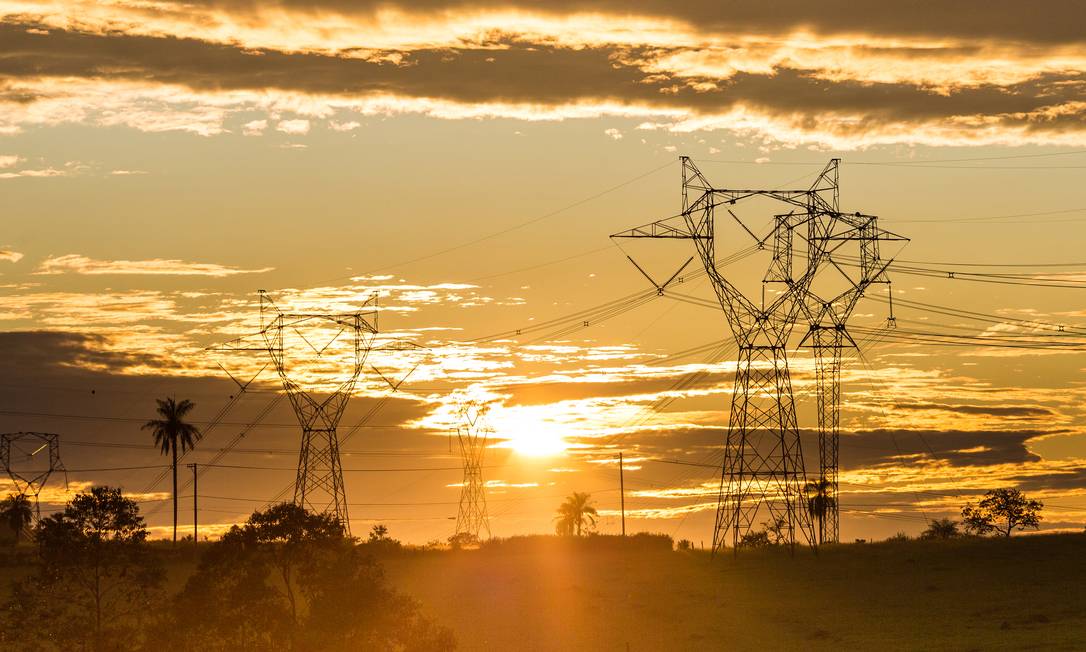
319,357
19,451
853,261
472,432
319,484
763,471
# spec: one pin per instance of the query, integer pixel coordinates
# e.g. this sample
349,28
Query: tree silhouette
941,528
819,501
96,579
292,579
575,515
17,512
171,432
1003,511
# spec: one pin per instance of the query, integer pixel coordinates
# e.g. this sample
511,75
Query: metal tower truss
763,473
18,453
319,358
319,484
472,433
851,262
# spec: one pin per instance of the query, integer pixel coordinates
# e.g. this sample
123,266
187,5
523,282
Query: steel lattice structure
763,466
319,484
853,258
319,400
30,482
472,432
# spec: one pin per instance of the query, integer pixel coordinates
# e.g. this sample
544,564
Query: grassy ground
1027,592
543,593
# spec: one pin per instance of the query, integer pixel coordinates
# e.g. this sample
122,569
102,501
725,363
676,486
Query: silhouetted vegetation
941,528
94,581
819,501
172,432
1002,511
16,513
462,540
771,534
575,515
290,579
285,580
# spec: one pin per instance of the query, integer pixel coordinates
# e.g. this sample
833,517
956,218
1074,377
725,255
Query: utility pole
195,509
622,493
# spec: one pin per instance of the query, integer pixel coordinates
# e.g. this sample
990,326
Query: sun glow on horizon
528,433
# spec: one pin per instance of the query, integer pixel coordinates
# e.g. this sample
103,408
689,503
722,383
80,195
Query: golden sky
466,160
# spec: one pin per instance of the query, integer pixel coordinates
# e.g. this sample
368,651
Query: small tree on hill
1002,511
941,528
759,539
775,530
378,533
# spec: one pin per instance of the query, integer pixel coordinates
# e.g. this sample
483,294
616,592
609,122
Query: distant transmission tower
472,432
853,262
18,453
763,472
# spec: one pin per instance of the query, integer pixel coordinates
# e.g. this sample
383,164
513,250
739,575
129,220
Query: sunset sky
160,162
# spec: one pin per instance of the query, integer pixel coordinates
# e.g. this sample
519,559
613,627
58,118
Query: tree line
286,579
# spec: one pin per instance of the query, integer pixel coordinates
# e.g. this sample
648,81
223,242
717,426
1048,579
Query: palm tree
16,511
170,432
819,501
574,514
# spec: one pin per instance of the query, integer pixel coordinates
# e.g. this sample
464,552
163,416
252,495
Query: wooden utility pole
195,510
622,493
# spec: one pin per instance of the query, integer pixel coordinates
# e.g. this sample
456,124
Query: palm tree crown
575,514
172,432
819,501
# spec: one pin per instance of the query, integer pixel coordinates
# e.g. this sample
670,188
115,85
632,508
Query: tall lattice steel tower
763,472
472,432
319,484
29,459
319,357
850,264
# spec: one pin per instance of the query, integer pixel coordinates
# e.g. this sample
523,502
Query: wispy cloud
77,264
10,256
293,127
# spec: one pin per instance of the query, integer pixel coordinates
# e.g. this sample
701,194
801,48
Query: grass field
546,594
603,593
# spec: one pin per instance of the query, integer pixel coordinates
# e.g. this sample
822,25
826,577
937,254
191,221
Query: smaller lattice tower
30,458
472,432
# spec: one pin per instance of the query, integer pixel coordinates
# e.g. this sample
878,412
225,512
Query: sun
527,433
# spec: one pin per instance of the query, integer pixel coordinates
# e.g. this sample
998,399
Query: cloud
293,127
344,126
10,256
254,127
77,264
43,173
9,160
1022,411
848,91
